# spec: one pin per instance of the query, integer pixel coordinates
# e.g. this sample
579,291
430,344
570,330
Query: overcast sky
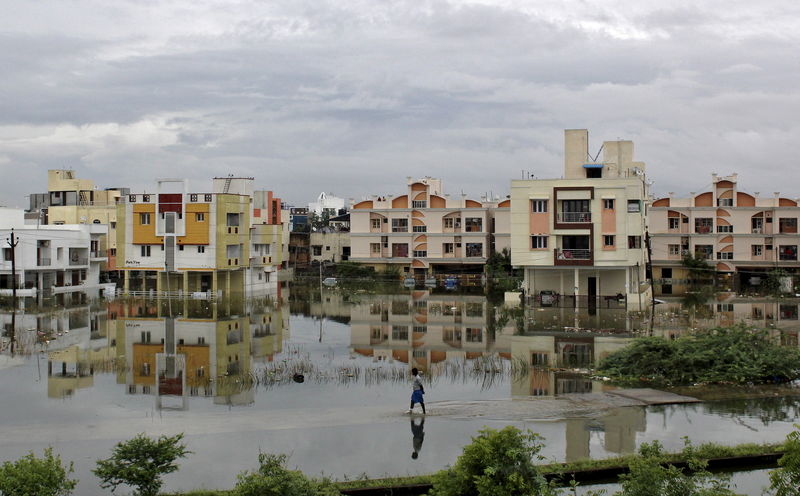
351,97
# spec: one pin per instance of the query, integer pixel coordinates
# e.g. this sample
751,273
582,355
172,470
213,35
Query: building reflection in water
207,350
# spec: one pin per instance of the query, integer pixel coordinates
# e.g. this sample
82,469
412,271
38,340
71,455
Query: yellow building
223,242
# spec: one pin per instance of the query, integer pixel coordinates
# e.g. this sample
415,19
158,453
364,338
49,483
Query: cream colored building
424,231
742,236
583,236
70,200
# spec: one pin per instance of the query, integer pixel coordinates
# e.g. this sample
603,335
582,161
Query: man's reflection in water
418,431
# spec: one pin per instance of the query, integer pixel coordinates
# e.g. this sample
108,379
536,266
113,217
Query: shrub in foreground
30,475
785,481
273,479
724,355
141,462
496,463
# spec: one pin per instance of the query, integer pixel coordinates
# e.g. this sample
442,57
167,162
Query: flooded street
233,383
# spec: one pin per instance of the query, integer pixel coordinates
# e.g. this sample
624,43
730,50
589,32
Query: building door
592,300
205,283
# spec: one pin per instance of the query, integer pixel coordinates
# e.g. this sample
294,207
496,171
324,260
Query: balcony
75,261
43,262
573,256
574,217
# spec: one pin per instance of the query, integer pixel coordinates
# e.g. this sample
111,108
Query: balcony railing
702,229
79,261
757,230
575,217
43,262
573,254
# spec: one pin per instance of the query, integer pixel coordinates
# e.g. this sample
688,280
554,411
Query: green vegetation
501,275
785,481
736,355
30,476
498,463
773,284
700,272
649,475
353,270
141,462
273,479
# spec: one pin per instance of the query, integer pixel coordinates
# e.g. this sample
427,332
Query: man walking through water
417,394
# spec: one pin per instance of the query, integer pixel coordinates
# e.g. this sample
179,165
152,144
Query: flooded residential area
316,372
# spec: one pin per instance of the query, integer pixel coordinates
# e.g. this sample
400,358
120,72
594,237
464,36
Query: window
674,249
539,242
399,225
420,253
8,254
704,251
317,249
200,217
634,242
724,255
447,248
421,329
112,252
473,224
375,248
201,249
608,204
145,250
787,252
474,335
756,250
474,249
539,206
375,223
724,229
757,225
419,204
232,220
400,250
399,332
132,198
193,197
180,247
448,223
608,240
703,225
724,202
538,359
674,222
634,206
419,228
787,225
144,219
327,248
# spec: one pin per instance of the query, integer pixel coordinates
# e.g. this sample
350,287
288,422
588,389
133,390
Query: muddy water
233,391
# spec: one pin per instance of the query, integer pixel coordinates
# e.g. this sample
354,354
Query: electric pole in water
12,243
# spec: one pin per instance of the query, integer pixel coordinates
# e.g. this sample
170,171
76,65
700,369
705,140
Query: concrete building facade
742,236
425,231
581,238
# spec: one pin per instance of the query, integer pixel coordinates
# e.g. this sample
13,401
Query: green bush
648,476
141,462
496,463
725,355
273,479
353,270
32,476
785,481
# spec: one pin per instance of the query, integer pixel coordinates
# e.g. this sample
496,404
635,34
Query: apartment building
50,259
424,231
228,241
581,238
742,236
71,200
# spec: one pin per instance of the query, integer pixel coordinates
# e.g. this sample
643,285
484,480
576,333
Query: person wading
417,393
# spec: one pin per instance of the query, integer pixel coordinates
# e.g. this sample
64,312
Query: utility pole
12,243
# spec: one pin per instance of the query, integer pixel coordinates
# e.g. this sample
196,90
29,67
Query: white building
326,203
50,259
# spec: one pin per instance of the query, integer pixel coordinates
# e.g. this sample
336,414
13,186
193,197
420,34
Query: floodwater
87,374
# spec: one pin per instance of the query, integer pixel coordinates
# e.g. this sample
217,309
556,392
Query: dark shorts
416,397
